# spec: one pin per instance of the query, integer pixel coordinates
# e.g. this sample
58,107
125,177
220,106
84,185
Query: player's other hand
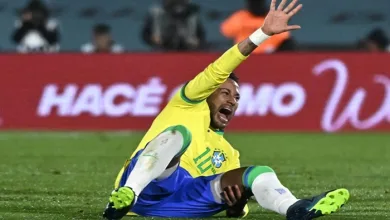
235,200
277,19
231,195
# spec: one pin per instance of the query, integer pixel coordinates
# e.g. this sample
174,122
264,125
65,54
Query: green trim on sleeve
184,97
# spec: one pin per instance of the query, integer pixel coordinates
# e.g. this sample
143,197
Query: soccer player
183,167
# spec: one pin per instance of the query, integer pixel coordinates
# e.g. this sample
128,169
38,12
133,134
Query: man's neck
218,131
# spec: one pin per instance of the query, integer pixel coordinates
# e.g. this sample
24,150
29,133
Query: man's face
223,104
372,46
103,42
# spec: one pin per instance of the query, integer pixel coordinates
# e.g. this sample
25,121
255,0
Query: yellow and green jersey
209,153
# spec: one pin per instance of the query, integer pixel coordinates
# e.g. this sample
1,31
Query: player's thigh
243,177
203,191
234,177
196,198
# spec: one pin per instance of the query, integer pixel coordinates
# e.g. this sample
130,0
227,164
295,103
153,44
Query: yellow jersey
209,153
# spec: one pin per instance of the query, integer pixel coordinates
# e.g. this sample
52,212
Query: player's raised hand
277,19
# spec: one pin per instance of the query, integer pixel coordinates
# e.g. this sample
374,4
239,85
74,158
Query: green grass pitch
70,175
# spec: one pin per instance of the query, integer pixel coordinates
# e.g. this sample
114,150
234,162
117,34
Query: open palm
277,19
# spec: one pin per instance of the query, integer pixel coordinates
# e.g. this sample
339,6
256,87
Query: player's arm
217,72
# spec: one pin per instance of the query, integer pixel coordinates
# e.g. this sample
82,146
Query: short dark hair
101,29
234,77
379,37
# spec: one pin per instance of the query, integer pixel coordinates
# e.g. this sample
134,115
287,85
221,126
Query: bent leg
264,184
272,195
161,152
157,160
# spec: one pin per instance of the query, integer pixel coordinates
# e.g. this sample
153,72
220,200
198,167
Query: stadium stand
322,22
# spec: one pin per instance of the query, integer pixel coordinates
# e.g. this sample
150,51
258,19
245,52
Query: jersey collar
218,131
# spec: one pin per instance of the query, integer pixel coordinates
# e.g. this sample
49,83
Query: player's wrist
259,36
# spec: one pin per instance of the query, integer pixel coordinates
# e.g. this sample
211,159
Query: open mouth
225,114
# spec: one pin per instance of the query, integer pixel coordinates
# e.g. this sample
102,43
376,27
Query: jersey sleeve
206,82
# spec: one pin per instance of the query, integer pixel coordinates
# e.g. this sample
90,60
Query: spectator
244,22
375,41
174,26
35,31
102,41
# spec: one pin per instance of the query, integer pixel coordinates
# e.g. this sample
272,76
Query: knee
252,172
186,135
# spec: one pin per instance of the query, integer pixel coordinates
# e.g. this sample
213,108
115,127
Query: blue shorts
179,195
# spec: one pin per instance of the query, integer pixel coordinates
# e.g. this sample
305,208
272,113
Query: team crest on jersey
218,158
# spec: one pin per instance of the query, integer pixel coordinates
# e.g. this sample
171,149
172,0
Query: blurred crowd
37,31
172,25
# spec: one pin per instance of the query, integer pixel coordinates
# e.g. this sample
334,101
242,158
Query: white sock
271,194
154,160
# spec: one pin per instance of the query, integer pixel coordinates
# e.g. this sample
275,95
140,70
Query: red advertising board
285,92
